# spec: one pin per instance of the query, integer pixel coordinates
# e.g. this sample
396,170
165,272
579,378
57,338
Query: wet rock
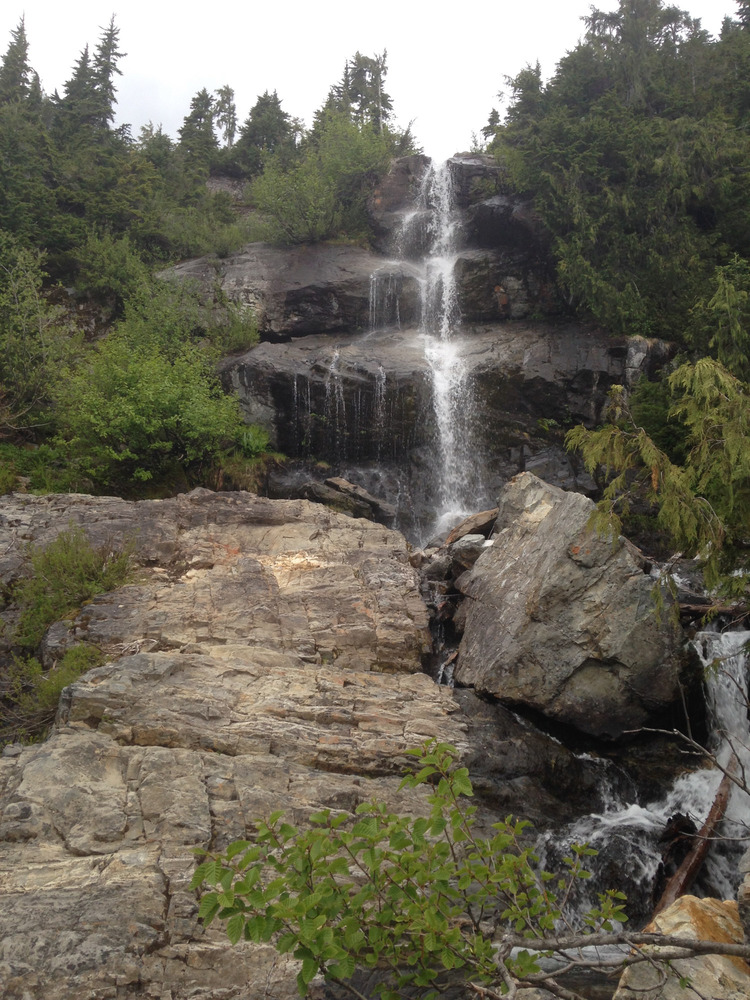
474,176
504,221
299,290
369,398
465,552
378,510
562,621
395,195
476,524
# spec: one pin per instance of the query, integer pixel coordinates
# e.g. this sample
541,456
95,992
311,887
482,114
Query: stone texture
359,397
299,290
266,655
716,976
563,621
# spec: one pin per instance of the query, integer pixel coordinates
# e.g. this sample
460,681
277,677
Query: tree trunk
685,875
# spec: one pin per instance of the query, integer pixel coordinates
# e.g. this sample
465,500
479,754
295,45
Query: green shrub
325,194
133,413
422,900
65,574
32,695
109,268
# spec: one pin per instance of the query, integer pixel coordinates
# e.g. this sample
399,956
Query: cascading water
432,229
627,834
452,398
335,407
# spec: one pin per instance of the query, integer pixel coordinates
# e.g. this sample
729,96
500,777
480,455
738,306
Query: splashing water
629,833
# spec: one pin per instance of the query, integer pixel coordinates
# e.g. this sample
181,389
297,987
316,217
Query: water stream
627,833
432,229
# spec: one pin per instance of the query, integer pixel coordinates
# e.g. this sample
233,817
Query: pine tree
267,129
78,107
197,137
225,114
15,71
105,69
362,91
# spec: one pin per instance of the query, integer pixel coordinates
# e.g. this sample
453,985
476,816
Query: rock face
365,399
562,621
299,290
266,655
717,976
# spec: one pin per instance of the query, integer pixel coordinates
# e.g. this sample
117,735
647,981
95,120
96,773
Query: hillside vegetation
637,156
635,153
107,376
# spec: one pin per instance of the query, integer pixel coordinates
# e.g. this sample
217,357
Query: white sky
444,69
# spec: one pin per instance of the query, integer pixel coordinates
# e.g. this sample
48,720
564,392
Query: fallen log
686,874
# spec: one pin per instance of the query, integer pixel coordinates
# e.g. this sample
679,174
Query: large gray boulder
563,621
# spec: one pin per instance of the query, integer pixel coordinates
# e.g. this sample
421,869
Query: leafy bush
325,194
147,405
34,340
43,468
423,900
109,268
133,414
64,574
32,695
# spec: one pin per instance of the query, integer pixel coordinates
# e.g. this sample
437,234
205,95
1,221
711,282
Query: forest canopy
107,374
636,154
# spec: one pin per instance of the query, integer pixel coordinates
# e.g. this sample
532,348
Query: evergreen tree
362,92
268,129
225,114
15,72
197,136
78,107
635,165
105,69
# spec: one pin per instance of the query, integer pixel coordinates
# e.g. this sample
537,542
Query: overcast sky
444,69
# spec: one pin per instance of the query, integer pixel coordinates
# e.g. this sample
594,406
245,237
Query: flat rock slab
239,569
266,655
720,977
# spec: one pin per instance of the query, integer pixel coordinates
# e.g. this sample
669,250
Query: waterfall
335,406
626,834
432,231
385,292
459,462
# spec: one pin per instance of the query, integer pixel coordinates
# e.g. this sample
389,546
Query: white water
434,225
335,406
630,832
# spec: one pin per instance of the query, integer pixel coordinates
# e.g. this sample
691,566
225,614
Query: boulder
474,176
563,621
719,977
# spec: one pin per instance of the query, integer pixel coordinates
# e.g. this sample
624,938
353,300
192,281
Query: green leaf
235,927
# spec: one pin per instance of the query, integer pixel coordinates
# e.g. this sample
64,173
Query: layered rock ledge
266,655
